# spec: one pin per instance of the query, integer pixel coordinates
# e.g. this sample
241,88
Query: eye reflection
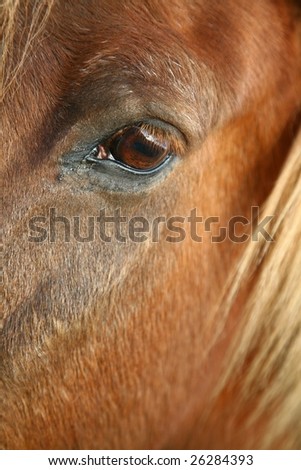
139,149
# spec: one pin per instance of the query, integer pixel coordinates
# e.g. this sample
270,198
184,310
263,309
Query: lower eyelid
106,175
100,163
145,172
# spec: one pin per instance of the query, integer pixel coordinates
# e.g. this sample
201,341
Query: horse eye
139,148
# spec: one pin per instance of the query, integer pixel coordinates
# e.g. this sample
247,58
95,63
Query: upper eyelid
179,140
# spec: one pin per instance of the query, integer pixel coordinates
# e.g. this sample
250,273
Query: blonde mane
265,354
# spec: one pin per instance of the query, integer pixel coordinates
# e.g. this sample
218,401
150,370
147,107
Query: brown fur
111,346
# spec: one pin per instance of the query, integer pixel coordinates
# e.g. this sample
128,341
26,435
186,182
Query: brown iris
136,147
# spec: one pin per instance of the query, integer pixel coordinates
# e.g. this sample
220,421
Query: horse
151,167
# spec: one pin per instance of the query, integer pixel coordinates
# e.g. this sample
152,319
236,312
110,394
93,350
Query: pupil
146,149
139,149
